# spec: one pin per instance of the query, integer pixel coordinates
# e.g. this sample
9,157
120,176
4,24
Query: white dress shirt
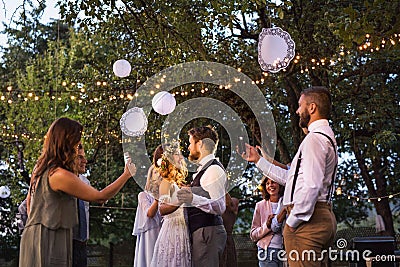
213,181
318,162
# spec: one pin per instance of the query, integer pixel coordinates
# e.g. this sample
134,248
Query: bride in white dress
172,247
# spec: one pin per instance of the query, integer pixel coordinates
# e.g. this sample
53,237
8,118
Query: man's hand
185,195
251,154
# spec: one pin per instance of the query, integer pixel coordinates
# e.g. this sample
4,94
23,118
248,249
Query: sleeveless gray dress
47,237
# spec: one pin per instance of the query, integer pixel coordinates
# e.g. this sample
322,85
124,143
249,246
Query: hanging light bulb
338,191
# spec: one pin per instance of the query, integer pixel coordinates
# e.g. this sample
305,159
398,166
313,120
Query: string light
358,198
312,64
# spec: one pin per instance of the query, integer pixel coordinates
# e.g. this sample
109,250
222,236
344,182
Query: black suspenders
295,177
296,174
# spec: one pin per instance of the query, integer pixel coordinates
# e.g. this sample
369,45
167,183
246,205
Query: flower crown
170,169
169,150
162,163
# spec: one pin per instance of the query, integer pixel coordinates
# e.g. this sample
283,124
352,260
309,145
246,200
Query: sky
8,7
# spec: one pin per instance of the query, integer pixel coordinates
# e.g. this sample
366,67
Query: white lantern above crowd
163,103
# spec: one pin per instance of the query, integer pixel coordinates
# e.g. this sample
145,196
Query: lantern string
358,198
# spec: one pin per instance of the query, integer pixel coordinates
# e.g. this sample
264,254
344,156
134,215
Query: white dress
172,247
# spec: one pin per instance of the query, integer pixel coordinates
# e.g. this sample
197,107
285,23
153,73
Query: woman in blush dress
148,219
266,225
172,248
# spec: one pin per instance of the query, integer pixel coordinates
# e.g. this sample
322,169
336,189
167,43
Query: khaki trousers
309,244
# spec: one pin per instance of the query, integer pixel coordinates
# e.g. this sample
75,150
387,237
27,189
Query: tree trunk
377,189
382,208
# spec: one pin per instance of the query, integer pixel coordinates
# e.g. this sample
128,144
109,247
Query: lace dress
172,247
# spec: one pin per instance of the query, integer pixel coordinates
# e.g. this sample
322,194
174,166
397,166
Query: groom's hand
185,195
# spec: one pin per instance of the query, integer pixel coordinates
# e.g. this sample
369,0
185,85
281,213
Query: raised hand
251,154
130,168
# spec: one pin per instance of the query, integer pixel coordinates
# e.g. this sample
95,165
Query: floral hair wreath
161,162
170,149
171,170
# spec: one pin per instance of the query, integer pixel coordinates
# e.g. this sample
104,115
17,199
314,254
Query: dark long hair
60,147
157,154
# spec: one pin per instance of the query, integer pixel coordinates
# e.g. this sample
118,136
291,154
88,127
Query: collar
206,159
316,124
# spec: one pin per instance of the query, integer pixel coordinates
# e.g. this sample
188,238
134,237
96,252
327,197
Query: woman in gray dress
54,187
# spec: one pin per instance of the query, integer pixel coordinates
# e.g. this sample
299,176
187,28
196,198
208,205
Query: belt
318,205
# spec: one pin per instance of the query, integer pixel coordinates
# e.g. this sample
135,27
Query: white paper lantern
275,49
163,103
4,191
122,68
134,122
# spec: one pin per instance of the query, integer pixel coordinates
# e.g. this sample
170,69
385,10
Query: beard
194,156
304,119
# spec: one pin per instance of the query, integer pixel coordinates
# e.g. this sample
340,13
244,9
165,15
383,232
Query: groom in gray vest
206,198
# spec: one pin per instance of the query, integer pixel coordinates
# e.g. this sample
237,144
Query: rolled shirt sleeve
273,172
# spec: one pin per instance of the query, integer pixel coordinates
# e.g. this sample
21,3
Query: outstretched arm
270,159
66,181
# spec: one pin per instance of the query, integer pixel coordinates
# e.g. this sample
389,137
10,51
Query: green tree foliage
330,38
349,46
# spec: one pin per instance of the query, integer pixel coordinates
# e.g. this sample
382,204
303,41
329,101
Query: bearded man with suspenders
311,225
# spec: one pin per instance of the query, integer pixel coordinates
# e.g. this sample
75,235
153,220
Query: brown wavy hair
59,148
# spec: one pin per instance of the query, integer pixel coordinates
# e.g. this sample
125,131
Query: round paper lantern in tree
4,191
122,68
163,103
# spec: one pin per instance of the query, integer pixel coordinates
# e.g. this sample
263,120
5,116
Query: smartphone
241,146
126,157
